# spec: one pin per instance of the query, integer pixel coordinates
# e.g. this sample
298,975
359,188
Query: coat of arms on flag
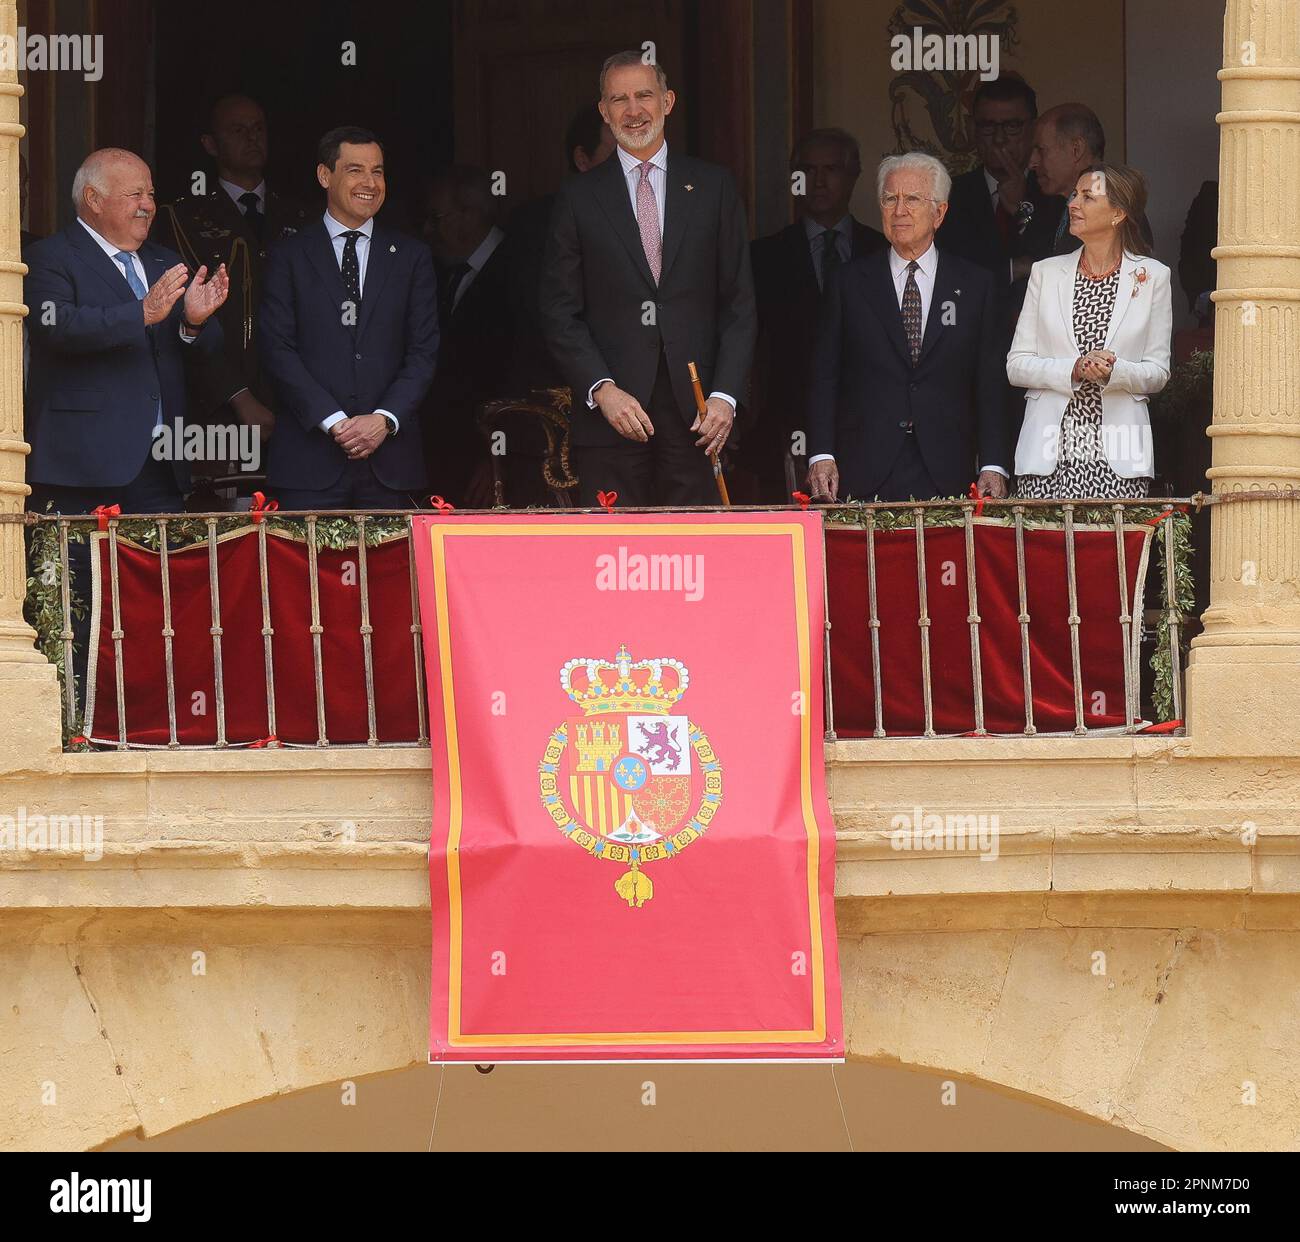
630,781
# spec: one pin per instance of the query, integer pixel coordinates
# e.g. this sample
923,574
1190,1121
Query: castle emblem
630,780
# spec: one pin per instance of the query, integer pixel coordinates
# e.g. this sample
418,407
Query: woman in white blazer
1091,345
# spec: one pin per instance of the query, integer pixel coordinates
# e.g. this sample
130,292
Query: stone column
1244,673
29,697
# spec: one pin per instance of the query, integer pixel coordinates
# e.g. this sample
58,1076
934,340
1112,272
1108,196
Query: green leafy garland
44,604
1162,664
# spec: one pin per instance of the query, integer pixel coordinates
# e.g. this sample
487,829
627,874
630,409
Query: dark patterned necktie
253,213
830,255
912,311
350,269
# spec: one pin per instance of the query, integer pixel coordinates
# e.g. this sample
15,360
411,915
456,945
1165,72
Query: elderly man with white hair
905,395
111,318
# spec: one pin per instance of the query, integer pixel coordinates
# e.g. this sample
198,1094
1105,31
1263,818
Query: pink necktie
647,217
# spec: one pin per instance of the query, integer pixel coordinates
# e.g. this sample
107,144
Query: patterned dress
1081,467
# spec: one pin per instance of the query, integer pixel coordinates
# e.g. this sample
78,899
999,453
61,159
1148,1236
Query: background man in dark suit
112,318
236,222
790,271
906,391
647,269
1068,140
349,336
475,331
997,215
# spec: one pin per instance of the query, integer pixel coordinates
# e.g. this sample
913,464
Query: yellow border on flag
456,1038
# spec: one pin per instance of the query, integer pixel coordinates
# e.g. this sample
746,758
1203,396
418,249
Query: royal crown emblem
630,780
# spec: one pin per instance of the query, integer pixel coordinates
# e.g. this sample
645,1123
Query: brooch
1139,279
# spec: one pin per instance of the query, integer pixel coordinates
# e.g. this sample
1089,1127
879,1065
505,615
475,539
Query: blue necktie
128,270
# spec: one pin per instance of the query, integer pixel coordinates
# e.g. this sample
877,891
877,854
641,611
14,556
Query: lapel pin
689,188
392,249
956,293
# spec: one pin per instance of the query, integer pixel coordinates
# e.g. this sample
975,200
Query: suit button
912,387
153,396
358,358
904,425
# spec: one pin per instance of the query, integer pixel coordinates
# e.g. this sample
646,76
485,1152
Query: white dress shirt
237,192
336,231
927,265
842,234
659,184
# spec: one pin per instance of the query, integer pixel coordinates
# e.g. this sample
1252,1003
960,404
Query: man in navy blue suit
112,317
905,391
349,336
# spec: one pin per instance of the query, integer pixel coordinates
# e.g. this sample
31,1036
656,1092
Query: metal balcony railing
53,604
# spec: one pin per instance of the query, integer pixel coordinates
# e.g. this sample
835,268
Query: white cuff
816,457
330,420
730,400
996,470
591,392
392,418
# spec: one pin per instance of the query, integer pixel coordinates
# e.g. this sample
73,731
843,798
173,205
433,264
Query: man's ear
209,145
604,112
323,175
940,211
670,98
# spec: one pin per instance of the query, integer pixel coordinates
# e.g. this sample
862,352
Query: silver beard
637,140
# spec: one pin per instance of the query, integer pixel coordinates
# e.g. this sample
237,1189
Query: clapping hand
204,296
163,294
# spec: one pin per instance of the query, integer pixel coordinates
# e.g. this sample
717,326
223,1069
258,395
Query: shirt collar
334,228
478,260
236,192
927,262
844,227
632,163
991,181
104,244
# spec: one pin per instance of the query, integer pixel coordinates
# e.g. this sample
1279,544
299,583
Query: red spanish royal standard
631,857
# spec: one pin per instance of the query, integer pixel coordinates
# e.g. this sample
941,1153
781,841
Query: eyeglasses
1008,129
911,201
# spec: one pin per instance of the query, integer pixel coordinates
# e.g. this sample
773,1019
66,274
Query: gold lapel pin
689,188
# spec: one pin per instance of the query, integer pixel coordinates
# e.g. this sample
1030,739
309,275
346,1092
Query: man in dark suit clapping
906,389
647,269
790,270
349,336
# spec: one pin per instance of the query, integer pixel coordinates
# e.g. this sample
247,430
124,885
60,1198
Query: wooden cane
702,408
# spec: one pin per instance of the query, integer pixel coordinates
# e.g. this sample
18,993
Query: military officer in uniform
236,222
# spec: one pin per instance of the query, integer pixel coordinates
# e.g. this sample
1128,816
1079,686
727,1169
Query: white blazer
1044,352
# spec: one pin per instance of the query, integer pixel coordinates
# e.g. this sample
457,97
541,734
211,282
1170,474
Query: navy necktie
351,268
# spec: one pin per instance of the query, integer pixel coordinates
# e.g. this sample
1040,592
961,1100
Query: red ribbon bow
104,512
1170,510
442,506
261,506
607,500
80,740
264,741
802,499
979,500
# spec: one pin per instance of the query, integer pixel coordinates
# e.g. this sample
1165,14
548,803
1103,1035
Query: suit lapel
944,294
677,212
1123,297
383,251
1065,294
99,262
611,193
884,301
320,252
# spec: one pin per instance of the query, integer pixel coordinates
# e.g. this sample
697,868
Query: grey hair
916,161
625,60
92,170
